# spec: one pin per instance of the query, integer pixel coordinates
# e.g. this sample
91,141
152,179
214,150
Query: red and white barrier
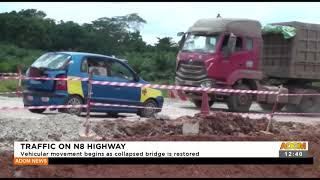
299,94
143,107
156,86
9,74
172,88
73,106
43,107
61,79
132,106
43,78
9,77
297,114
183,88
121,105
7,93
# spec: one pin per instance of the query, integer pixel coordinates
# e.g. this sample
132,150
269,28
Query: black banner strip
279,161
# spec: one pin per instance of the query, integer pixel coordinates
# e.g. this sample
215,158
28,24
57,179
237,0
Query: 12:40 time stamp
293,154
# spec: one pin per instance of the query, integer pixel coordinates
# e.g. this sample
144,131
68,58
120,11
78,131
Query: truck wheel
198,103
74,100
269,107
240,102
148,112
309,104
38,111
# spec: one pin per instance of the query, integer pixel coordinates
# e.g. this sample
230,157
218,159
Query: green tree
29,29
4,67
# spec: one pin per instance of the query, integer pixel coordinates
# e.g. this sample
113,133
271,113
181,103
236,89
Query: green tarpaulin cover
287,31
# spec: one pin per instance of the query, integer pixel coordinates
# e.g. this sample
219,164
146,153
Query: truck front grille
193,71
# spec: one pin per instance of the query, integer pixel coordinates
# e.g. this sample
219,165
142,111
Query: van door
119,72
97,65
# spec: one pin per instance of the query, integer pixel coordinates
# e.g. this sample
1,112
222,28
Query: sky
166,19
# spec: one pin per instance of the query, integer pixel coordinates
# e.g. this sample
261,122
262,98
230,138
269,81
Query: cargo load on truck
297,57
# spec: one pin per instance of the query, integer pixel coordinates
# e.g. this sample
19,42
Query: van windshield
52,61
200,43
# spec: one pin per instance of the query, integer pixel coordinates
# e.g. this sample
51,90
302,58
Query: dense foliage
28,33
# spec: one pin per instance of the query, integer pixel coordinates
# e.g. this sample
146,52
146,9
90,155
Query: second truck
241,54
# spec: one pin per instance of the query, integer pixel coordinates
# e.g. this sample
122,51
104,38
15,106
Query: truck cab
221,53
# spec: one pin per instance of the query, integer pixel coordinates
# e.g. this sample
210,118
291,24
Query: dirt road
172,108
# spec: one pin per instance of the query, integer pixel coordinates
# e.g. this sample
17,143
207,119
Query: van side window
97,66
249,43
120,71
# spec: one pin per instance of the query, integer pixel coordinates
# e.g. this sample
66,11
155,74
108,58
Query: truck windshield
52,61
200,43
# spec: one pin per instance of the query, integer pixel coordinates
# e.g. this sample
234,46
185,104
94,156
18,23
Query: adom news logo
294,146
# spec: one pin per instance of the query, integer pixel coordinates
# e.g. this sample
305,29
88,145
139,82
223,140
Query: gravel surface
172,108
58,127
22,125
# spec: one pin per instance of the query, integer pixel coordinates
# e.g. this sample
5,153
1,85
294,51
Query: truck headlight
206,84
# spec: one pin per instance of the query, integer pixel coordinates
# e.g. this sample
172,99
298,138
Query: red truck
238,54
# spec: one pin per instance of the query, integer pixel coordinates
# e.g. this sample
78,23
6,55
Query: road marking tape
158,86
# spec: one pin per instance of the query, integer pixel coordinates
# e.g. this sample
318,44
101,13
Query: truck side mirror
182,40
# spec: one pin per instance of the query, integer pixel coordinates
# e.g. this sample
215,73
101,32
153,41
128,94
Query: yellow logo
144,92
293,146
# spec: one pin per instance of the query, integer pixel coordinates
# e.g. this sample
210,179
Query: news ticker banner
161,152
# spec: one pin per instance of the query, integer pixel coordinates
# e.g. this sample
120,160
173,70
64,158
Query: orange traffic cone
171,94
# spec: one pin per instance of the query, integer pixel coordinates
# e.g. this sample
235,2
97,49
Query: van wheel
147,112
113,114
38,111
238,102
74,100
198,103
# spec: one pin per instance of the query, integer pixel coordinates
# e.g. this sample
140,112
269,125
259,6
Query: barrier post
19,89
204,103
273,110
87,124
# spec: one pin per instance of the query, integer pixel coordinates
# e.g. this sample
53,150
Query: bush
8,85
154,66
11,56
